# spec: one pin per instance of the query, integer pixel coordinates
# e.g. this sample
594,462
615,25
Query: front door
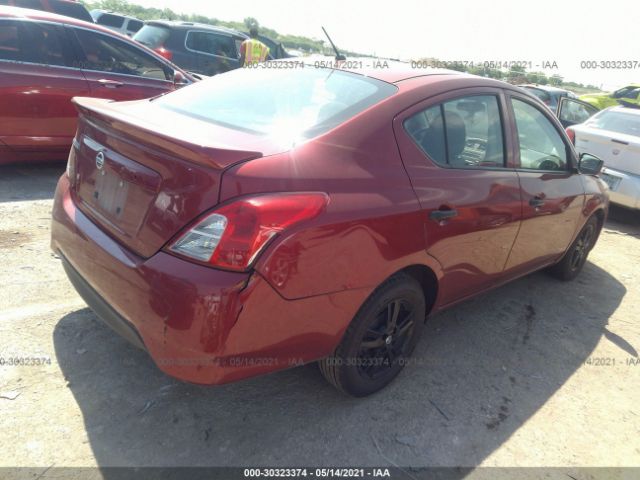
552,191
458,158
118,70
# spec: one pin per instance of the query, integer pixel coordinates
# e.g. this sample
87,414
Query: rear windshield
541,94
299,103
71,9
109,20
153,36
619,122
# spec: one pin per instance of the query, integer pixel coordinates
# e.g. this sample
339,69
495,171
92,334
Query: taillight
571,134
232,236
163,52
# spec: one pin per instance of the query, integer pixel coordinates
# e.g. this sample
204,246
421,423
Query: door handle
536,202
622,142
440,215
110,83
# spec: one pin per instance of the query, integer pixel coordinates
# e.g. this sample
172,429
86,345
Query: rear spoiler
109,113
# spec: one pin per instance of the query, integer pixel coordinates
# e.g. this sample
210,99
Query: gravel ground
536,373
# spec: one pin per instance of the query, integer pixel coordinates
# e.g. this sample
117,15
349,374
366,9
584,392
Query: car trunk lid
143,173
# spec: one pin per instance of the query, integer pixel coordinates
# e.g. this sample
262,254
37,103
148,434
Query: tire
375,348
576,256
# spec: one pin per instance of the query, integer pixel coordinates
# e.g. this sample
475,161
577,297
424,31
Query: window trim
440,104
222,34
548,114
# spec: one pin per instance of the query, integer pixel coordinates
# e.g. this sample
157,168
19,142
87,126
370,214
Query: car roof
204,26
18,12
115,14
546,88
387,70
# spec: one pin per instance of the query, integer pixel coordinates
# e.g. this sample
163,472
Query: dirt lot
537,373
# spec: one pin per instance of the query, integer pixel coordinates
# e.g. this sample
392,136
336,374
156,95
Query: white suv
120,23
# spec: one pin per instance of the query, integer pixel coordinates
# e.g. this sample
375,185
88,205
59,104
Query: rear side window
284,104
108,54
11,44
71,9
109,20
134,25
462,133
211,43
34,4
541,146
33,42
152,36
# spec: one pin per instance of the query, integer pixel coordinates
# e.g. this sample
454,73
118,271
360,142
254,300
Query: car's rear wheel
574,259
380,338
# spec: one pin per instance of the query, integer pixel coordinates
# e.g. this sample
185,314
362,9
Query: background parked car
195,47
614,136
550,96
628,96
68,8
119,23
46,59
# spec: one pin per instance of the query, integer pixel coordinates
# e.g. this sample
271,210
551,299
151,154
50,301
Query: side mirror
179,80
590,164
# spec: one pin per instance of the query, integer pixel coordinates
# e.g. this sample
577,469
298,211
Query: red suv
266,218
46,59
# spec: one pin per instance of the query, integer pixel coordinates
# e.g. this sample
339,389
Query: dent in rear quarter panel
372,226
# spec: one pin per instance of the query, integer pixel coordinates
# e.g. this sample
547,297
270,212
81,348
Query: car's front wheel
379,340
576,256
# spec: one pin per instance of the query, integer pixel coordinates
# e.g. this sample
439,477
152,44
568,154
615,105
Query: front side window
107,54
152,36
623,92
212,44
462,133
284,104
541,146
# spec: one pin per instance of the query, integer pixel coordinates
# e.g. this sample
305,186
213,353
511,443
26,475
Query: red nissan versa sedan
265,218
46,60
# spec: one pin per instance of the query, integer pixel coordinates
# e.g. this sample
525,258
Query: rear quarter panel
372,226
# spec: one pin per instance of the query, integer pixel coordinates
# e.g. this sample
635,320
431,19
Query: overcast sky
544,30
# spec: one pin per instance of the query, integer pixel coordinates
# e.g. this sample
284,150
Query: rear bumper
627,192
198,324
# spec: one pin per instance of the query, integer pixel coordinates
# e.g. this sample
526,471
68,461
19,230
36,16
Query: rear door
37,80
120,70
459,162
216,52
552,191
